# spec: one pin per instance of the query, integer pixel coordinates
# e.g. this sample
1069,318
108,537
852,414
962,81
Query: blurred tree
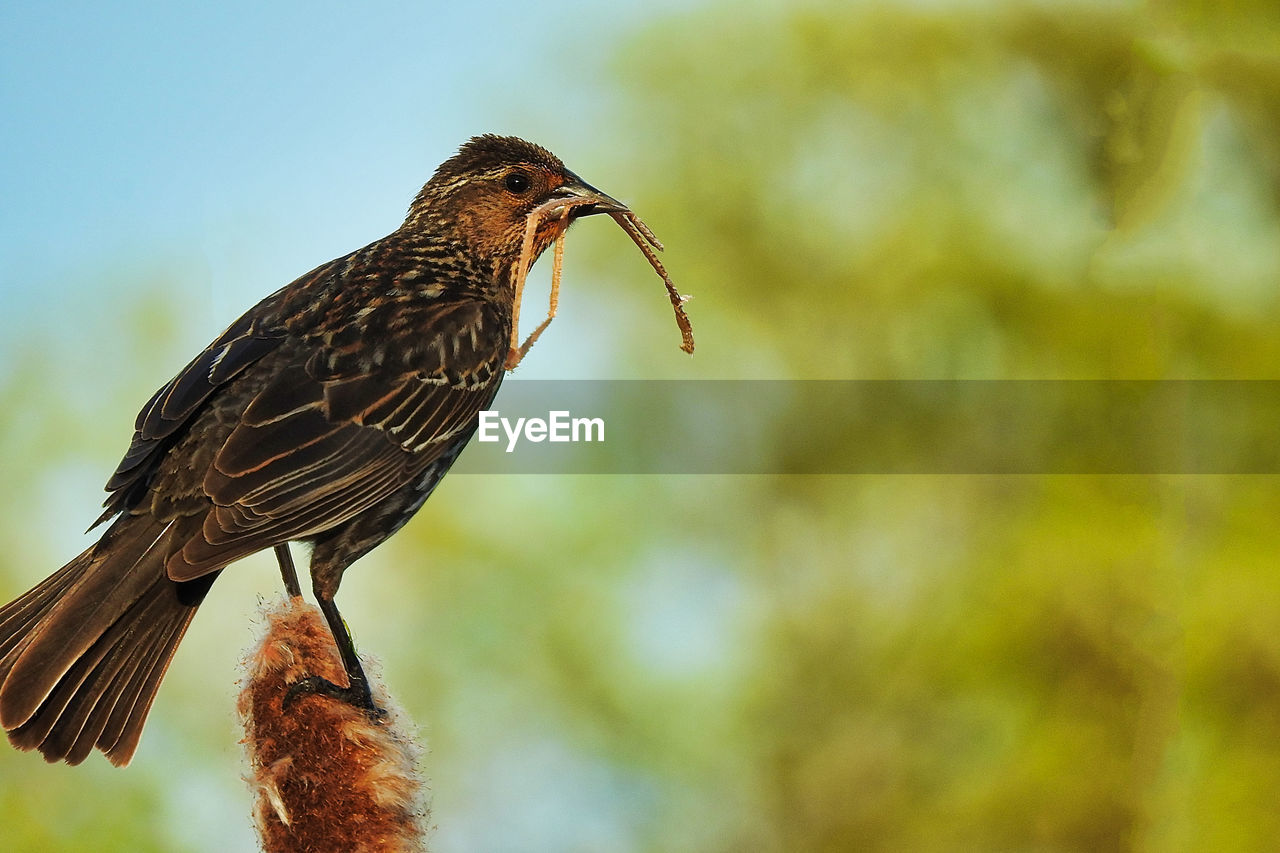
1012,190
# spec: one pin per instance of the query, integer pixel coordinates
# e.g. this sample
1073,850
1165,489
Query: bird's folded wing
171,408
310,454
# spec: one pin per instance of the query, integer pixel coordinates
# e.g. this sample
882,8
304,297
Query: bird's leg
287,572
356,693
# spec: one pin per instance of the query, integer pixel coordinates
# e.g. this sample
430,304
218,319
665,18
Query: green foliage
1006,190
995,191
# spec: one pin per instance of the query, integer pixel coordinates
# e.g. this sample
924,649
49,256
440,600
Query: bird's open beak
587,199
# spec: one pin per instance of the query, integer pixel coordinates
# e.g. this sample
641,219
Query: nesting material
325,777
648,243
559,209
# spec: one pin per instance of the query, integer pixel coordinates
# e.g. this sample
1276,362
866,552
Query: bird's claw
355,696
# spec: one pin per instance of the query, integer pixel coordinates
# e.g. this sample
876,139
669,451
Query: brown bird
326,414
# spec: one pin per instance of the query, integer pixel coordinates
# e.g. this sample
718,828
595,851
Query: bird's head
485,193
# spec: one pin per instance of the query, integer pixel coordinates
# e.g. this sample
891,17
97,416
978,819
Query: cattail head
325,776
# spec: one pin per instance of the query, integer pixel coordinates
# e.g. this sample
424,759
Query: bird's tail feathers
83,652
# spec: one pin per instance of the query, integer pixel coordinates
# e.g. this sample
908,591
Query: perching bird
326,414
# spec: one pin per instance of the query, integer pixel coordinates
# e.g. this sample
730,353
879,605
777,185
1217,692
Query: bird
325,415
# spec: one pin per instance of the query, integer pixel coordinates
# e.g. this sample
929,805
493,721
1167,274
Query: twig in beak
537,216
557,264
639,233
649,244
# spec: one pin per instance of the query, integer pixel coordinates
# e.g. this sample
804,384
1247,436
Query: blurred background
955,189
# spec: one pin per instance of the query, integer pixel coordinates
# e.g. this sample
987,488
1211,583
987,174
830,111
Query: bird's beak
587,199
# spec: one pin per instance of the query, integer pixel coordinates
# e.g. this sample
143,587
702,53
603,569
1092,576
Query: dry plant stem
648,243
536,217
639,233
649,236
557,265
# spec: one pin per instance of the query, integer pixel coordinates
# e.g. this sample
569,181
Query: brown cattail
326,777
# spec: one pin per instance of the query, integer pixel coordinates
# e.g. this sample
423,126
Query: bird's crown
491,153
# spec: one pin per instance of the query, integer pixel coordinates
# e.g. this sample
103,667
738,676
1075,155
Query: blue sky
241,145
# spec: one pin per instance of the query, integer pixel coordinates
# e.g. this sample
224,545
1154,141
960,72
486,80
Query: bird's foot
357,695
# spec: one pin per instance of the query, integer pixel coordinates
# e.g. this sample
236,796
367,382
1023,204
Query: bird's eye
517,182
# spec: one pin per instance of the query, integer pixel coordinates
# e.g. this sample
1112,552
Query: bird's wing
316,447
162,420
